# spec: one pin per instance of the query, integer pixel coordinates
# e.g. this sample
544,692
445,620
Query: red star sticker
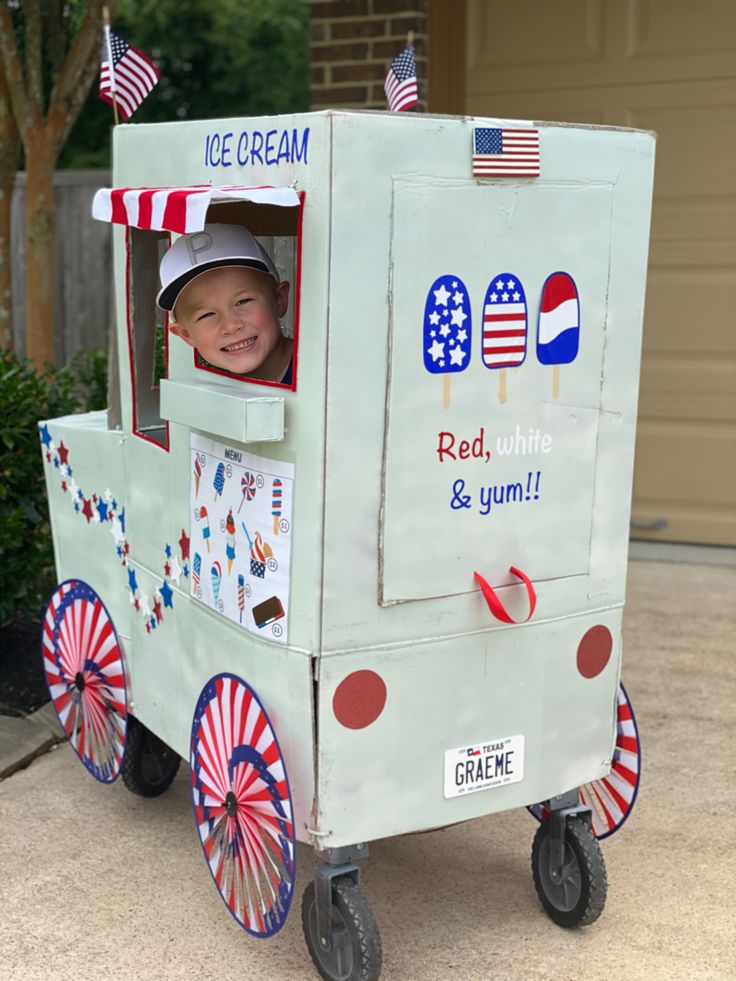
136,604
48,458
148,627
126,548
184,545
63,485
87,510
167,569
63,452
157,611
94,498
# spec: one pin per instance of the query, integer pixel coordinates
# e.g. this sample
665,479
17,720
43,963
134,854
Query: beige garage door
668,66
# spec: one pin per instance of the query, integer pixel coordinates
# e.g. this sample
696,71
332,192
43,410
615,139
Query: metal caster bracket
336,862
561,809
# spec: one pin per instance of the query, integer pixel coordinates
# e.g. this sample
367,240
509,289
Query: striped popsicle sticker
505,326
277,490
558,329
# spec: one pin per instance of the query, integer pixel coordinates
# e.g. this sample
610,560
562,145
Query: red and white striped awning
178,209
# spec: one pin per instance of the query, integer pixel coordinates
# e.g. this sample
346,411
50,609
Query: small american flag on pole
505,152
400,84
126,76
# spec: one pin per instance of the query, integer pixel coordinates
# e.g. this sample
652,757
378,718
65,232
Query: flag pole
108,45
409,39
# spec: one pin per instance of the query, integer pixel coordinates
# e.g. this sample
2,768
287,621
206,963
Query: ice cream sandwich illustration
268,611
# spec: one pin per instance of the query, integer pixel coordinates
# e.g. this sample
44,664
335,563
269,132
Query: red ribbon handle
494,603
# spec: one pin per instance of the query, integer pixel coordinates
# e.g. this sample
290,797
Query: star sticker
148,627
494,297
131,599
516,297
114,504
166,594
510,284
504,297
145,605
457,355
126,548
121,519
63,486
116,531
458,298
132,580
56,462
186,571
437,350
87,510
156,613
462,335
168,551
152,623
65,470
63,453
102,511
119,550
136,603
499,284
167,569
441,296
175,570
434,318
76,506
458,316
108,495
45,435
94,498
444,330
184,545
48,458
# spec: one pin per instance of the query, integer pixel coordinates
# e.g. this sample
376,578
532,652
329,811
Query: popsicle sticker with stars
447,331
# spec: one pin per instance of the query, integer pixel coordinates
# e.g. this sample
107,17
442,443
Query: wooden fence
84,264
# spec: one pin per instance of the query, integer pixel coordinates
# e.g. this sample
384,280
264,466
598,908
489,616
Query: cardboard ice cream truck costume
388,596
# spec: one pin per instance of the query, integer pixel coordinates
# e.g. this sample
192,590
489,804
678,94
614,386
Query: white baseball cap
215,246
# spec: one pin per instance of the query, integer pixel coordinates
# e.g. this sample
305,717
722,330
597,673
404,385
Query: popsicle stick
555,381
502,385
446,391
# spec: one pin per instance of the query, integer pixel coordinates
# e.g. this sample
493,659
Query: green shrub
26,552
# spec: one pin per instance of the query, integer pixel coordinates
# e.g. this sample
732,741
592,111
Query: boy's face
231,316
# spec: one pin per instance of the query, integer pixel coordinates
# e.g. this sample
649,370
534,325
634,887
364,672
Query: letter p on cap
201,242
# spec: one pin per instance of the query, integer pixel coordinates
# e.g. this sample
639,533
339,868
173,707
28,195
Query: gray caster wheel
578,895
356,952
149,765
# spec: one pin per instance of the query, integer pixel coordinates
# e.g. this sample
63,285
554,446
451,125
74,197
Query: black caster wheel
149,765
356,953
578,897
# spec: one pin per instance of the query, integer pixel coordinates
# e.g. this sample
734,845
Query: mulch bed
22,682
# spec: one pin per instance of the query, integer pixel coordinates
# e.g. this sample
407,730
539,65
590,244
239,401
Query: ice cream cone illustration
196,570
258,557
197,475
230,540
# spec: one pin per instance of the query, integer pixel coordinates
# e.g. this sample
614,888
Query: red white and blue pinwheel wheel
242,805
83,662
611,798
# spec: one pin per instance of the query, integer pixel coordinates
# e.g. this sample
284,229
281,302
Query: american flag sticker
505,322
505,152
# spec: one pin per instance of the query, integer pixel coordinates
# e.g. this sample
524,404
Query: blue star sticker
166,593
45,435
56,462
121,519
168,551
120,551
114,504
76,505
153,623
102,510
132,581
186,570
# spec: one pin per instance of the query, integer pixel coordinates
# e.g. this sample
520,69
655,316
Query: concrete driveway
97,883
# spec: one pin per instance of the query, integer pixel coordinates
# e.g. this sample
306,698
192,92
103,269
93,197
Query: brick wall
352,44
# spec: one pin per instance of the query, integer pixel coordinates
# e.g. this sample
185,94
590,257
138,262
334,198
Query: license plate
483,766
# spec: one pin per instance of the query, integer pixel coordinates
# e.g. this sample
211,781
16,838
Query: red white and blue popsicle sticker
558,328
612,798
447,330
505,326
83,663
242,805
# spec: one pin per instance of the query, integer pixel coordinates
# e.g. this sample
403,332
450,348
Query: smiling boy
226,300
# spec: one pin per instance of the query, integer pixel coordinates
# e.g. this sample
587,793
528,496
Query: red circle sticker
594,651
359,699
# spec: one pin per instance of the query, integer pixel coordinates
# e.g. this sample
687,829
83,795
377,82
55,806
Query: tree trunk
40,249
9,151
